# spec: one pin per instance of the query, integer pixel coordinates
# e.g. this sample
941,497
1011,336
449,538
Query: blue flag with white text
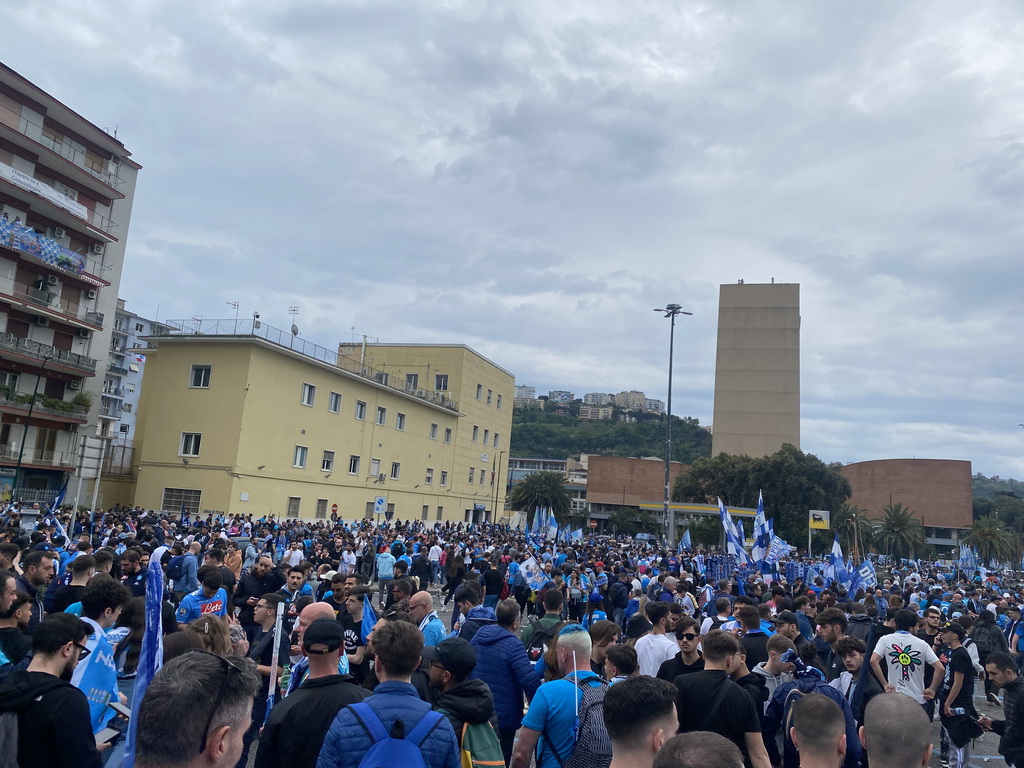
152,652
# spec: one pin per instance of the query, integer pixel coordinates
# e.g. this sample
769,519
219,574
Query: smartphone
109,735
120,708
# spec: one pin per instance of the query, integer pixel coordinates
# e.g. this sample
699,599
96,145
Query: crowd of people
334,644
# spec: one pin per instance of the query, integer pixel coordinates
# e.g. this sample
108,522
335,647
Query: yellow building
241,418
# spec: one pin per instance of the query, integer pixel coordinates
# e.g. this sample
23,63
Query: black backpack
539,641
176,568
593,747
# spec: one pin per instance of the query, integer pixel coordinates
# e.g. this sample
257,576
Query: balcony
44,407
18,347
38,458
45,302
49,203
114,392
110,412
117,370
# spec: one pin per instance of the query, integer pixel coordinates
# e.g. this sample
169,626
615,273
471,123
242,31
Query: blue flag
686,542
152,654
762,536
835,558
369,619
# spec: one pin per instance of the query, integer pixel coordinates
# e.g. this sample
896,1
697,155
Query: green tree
793,483
631,521
705,530
853,526
992,540
898,531
543,490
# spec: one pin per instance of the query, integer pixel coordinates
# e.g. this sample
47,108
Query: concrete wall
629,482
757,372
935,490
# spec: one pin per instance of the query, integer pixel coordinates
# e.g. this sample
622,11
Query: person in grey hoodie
774,671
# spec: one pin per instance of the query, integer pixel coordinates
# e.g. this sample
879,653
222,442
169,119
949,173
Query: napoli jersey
196,604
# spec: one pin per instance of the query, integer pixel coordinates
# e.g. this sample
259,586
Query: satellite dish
295,330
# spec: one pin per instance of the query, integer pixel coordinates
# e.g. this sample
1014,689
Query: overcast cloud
533,178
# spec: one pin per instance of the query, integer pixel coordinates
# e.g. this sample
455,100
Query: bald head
896,732
311,613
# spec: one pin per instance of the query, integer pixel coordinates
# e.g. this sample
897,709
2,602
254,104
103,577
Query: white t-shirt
653,650
904,657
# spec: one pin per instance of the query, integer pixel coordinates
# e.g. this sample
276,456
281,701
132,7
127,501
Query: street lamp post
671,311
28,421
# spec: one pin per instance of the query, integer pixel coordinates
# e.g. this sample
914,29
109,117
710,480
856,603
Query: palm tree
991,539
898,532
855,529
542,490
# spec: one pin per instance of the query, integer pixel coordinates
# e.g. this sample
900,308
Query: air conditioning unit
52,280
75,384
98,249
43,321
58,233
84,333
91,293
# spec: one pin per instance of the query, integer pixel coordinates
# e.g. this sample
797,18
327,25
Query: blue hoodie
502,663
478,617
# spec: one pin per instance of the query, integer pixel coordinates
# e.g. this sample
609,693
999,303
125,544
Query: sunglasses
229,669
82,651
688,637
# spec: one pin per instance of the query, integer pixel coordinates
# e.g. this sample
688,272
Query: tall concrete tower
757,372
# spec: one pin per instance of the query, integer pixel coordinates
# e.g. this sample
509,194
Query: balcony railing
287,340
22,346
110,413
69,411
117,370
113,391
34,456
47,299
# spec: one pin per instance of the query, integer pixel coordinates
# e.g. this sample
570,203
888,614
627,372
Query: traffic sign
380,505
593,523
334,507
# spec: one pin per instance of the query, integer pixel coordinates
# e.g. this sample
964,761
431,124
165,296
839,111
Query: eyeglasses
228,669
688,637
82,651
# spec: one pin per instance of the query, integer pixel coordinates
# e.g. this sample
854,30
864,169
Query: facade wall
937,491
252,418
628,482
757,372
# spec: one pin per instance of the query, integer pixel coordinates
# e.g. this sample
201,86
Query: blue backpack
396,748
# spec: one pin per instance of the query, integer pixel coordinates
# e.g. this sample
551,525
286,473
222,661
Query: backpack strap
369,720
427,723
715,703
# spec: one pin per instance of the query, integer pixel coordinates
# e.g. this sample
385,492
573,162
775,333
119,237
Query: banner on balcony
27,240
37,187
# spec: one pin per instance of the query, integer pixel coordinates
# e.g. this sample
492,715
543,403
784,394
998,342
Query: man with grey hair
896,732
195,712
553,710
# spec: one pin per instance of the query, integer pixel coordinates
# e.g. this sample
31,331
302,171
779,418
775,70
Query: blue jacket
347,741
502,663
479,616
776,719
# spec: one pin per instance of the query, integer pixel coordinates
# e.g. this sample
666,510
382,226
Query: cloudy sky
532,178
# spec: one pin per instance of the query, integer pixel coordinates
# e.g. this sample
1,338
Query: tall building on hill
597,398
560,396
757,372
66,192
632,400
241,418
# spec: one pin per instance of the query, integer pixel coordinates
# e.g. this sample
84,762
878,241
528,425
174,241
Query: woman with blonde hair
213,634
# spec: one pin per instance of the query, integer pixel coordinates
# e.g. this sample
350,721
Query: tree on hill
793,483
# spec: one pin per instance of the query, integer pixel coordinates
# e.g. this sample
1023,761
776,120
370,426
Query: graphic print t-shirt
904,658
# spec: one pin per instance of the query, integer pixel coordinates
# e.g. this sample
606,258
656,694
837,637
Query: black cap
786,617
323,632
638,626
454,654
953,626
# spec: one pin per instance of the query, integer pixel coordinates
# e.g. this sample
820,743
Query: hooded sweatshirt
54,728
772,681
478,616
468,702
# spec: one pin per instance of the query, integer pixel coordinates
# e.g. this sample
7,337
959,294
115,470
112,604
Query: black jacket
55,731
1011,730
297,726
250,586
469,702
22,585
15,644
619,594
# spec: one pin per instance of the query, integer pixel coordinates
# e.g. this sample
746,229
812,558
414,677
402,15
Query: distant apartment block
525,392
598,398
655,406
599,412
560,396
632,400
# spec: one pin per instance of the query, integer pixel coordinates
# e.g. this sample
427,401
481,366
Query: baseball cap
786,617
638,626
325,632
454,654
955,627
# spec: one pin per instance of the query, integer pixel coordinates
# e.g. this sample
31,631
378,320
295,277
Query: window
139,328
487,434
368,513
412,382
308,394
327,462
360,410
374,467
353,465
472,474
447,434
479,391
495,441
433,431
426,511
390,512
498,404
133,367
441,382
382,416
190,442
321,508
200,377
444,478
490,396
126,407
429,479
299,459
293,506
11,380
400,421
483,475
124,429
334,403
175,499
476,433
396,470
440,512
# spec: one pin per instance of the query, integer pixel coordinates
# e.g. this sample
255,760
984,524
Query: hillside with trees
989,487
545,434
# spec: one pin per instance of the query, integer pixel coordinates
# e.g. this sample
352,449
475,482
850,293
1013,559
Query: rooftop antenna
234,305
293,311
